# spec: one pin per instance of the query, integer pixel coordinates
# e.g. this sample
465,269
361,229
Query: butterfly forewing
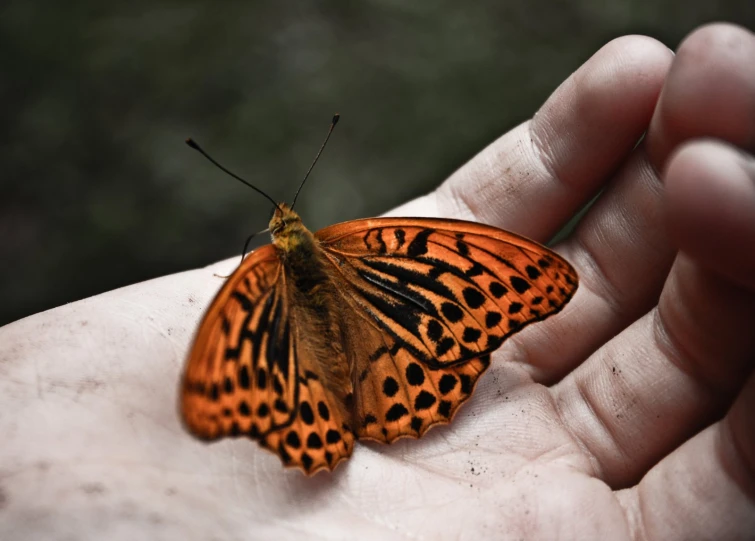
450,291
241,374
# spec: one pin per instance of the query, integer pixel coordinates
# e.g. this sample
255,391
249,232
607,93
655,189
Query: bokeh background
99,191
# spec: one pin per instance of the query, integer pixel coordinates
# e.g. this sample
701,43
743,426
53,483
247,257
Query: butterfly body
371,329
315,296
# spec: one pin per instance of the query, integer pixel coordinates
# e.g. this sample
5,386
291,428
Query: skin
626,416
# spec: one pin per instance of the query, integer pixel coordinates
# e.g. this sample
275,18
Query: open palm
628,415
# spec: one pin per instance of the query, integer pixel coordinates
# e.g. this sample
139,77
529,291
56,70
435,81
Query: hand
628,415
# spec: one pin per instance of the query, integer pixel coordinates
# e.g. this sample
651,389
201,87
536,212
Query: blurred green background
99,190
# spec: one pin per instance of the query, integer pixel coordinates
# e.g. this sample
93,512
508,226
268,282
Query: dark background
99,190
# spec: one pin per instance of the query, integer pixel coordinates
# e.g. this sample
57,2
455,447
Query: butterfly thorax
300,253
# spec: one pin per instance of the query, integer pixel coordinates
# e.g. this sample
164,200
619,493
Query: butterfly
371,329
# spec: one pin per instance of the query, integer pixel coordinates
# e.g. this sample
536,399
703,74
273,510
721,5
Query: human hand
628,415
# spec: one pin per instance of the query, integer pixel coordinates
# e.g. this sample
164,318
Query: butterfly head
285,222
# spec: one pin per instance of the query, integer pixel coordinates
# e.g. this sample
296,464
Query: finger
538,175
663,378
675,499
709,92
678,367
710,198
620,248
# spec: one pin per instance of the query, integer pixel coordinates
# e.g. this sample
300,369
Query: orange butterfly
375,329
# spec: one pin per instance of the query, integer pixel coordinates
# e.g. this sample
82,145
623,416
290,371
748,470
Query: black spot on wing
424,400
451,312
382,248
244,409
396,412
262,379
444,346
243,377
473,297
323,410
414,374
292,440
520,285
400,235
497,289
471,335
492,319
447,384
306,413
434,330
466,383
390,386
418,245
314,441
306,461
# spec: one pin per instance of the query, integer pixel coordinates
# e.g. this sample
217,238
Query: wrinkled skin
630,415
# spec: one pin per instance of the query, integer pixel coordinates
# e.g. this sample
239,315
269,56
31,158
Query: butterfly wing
250,374
435,297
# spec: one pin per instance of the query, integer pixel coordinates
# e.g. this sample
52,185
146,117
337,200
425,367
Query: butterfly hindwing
400,395
320,436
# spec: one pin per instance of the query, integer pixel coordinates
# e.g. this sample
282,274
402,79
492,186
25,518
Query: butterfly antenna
332,125
193,144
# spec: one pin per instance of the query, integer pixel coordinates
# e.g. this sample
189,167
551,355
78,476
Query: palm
583,427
